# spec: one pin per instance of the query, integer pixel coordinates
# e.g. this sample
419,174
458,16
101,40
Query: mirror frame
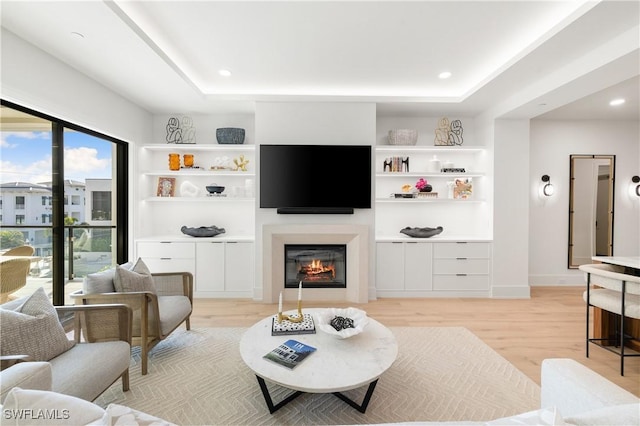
612,169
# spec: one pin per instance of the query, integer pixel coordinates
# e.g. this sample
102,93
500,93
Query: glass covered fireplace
316,265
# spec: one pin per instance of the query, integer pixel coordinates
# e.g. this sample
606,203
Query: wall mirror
590,207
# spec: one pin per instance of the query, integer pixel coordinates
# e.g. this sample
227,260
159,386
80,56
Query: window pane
25,184
90,198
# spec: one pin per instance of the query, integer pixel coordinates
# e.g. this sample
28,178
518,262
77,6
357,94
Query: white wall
321,123
552,142
511,208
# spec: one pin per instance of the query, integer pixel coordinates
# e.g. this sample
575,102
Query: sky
26,157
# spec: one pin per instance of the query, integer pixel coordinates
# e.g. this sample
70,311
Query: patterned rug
441,374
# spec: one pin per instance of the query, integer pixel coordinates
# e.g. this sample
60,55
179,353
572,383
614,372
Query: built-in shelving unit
223,266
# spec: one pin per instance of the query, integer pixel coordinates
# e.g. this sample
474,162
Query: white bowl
359,317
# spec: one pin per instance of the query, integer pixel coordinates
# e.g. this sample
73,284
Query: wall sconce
634,187
546,188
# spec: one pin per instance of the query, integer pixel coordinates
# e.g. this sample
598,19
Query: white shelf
169,147
427,174
427,200
425,148
198,172
198,199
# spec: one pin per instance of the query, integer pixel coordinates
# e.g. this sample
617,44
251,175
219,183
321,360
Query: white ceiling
552,59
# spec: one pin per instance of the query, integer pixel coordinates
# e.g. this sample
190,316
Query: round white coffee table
337,364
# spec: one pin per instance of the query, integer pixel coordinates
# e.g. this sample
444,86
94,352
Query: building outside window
20,219
19,203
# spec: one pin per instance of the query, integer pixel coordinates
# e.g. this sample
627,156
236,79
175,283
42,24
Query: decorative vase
174,161
427,188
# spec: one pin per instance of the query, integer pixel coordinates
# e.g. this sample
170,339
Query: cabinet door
239,266
389,266
210,272
417,266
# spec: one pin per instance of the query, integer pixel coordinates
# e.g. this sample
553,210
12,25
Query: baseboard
569,280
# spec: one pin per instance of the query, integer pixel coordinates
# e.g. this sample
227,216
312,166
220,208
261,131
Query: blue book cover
290,353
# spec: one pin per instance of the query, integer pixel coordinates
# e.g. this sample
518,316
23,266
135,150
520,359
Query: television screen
315,176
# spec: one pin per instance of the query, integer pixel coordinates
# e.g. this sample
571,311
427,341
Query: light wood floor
524,331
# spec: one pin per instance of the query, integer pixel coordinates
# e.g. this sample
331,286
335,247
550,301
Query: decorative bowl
359,317
403,137
230,135
215,189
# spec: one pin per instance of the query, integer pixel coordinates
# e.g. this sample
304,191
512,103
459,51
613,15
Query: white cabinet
210,267
221,267
433,269
390,266
239,267
462,266
168,256
403,269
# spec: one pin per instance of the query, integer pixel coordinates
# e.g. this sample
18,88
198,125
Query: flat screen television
315,178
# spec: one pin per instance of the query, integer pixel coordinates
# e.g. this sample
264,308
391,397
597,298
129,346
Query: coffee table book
285,327
290,353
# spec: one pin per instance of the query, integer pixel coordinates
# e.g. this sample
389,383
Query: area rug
441,374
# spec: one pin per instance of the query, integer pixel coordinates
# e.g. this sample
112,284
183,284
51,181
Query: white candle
300,291
280,303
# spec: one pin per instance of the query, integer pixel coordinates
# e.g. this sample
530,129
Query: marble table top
628,261
337,364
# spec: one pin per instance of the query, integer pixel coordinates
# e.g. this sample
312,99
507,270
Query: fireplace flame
316,270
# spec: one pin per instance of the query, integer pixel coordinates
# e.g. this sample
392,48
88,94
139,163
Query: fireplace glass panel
316,265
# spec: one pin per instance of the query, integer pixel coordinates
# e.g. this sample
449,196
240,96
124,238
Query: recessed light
616,102
444,75
224,73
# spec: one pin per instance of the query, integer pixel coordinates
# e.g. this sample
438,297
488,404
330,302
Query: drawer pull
461,242
166,242
165,258
461,275
461,258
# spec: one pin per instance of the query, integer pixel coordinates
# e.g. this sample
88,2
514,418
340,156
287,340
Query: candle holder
294,319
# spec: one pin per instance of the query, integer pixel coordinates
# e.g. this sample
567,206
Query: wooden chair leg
188,322
125,381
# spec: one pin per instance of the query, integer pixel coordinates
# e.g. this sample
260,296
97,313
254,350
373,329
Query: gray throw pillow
33,329
137,278
103,281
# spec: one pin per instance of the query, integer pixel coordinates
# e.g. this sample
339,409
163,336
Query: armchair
99,357
155,314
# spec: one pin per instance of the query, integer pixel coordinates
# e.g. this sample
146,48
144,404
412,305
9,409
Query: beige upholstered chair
20,251
155,315
610,289
13,276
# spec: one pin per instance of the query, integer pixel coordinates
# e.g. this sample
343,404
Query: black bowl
215,189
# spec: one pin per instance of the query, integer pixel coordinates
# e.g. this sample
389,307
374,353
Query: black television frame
278,157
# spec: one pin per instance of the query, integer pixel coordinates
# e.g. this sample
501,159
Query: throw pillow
120,415
33,329
103,281
137,279
37,407
624,414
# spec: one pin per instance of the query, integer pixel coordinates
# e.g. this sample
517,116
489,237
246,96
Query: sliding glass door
64,193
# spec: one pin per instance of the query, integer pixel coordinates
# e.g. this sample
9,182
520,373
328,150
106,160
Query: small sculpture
203,231
241,163
455,133
178,132
442,132
421,232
